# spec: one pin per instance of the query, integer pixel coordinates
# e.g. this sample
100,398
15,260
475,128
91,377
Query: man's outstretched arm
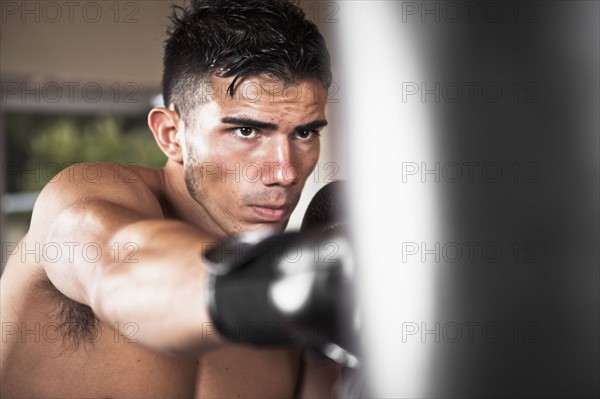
149,274
126,261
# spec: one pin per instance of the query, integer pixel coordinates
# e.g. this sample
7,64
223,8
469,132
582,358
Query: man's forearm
160,288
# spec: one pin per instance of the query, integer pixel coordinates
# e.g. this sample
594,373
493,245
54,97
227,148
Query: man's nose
280,167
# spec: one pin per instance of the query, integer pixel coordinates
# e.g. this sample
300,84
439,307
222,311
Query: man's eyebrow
271,126
249,123
311,125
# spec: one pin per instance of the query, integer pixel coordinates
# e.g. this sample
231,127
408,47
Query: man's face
247,157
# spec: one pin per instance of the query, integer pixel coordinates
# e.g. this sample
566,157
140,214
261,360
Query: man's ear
164,123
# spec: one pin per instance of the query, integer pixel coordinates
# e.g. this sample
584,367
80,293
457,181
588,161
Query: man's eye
245,131
305,134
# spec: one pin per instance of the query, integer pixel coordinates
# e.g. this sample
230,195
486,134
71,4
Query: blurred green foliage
35,141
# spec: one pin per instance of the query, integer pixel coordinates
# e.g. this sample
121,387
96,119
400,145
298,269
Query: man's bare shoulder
130,187
117,183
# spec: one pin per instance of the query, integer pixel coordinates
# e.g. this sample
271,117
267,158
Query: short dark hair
240,38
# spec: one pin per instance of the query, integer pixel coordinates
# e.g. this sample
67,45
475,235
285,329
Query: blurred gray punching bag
473,135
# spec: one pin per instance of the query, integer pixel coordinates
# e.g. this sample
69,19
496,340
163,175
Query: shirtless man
105,295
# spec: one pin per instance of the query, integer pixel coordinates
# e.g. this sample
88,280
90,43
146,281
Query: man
106,294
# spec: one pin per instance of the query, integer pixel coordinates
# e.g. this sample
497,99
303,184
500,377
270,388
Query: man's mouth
271,213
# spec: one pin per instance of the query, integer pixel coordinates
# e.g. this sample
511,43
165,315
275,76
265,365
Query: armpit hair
76,322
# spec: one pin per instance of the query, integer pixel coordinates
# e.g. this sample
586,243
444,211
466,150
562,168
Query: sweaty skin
125,244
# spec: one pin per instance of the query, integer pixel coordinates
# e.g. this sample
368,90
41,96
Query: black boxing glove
327,208
277,291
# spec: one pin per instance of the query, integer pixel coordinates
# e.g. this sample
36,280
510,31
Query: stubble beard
192,175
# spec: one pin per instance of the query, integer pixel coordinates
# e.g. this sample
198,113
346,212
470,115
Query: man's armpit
76,324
